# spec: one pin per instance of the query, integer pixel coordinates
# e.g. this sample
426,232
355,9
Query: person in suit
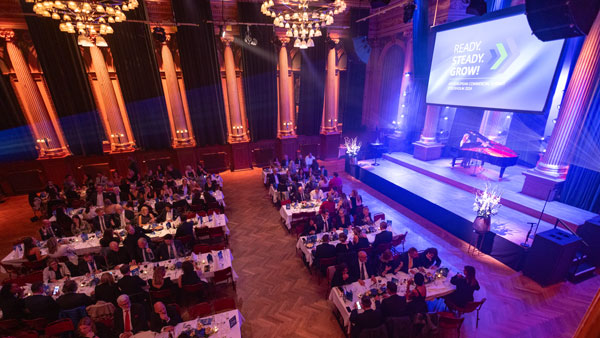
102,221
129,284
324,250
429,259
107,290
409,260
88,265
186,228
168,214
384,237
393,305
368,319
364,218
122,216
131,240
144,252
55,271
361,268
70,298
97,196
109,236
164,318
466,285
311,228
11,302
170,248
130,318
323,221
341,220
116,255
387,264
50,229
300,195
40,305
341,275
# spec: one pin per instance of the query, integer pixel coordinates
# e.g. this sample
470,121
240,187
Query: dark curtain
16,141
68,83
201,70
259,75
392,68
465,119
352,81
582,186
312,87
135,62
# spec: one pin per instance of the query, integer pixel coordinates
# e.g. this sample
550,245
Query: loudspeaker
559,19
550,257
590,234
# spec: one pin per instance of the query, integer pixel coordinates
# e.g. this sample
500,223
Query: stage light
554,121
508,116
407,74
402,116
445,118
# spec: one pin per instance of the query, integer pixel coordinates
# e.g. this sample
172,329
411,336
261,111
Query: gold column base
188,142
117,148
46,154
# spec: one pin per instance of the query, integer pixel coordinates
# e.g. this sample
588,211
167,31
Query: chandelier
303,19
88,18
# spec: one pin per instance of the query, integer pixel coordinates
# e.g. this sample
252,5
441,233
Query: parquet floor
278,298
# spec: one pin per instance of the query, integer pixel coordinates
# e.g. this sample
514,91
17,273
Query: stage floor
509,223
510,186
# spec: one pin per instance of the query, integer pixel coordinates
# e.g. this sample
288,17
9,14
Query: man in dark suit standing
384,237
130,318
394,305
324,250
39,305
361,269
129,284
368,319
102,222
170,248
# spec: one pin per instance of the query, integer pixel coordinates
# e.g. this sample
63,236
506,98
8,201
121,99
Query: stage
445,195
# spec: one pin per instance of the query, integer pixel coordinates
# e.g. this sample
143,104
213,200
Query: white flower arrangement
352,146
487,202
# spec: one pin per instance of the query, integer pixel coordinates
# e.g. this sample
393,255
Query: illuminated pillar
330,113
120,138
405,88
494,124
552,169
237,130
181,124
286,122
45,128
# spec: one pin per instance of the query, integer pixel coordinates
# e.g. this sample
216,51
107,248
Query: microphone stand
524,244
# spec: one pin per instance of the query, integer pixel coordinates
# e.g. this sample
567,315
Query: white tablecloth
146,270
439,288
286,213
301,244
227,328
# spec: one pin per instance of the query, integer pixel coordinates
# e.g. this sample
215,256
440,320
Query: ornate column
397,141
120,138
287,140
552,169
493,125
45,127
237,130
181,126
330,136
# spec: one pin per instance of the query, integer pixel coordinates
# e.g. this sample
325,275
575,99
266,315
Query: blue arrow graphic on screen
503,56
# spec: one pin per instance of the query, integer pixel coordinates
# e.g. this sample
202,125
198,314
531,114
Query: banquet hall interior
299,168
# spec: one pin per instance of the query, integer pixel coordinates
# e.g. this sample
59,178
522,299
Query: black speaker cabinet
590,234
559,19
551,256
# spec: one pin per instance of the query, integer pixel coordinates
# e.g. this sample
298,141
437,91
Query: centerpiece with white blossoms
487,202
352,146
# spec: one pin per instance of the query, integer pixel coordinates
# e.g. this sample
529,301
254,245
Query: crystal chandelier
303,19
88,18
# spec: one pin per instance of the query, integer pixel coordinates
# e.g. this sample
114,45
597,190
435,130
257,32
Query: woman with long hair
57,250
31,251
80,226
416,297
466,285
107,290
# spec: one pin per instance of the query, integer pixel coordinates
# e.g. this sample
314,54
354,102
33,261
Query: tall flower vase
353,160
481,224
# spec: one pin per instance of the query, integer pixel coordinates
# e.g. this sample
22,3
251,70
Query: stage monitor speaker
590,233
559,19
550,257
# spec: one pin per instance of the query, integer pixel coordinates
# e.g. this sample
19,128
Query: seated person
164,318
360,240
364,218
409,260
70,298
40,305
386,264
361,268
131,240
107,290
80,226
341,220
368,319
341,275
129,284
145,217
56,250
88,265
130,318
11,302
323,221
324,250
317,195
186,228
343,246
49,229
102,221
170,248
429,259
189,275
123,216
393,305
158,281
144,253
466,285
168,214
311,228
299,195
328,205
31,251
87,328
116,255
109,236
55,271
416,297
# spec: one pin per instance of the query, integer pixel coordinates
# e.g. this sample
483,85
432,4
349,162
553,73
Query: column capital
7,34
284,40
227,40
